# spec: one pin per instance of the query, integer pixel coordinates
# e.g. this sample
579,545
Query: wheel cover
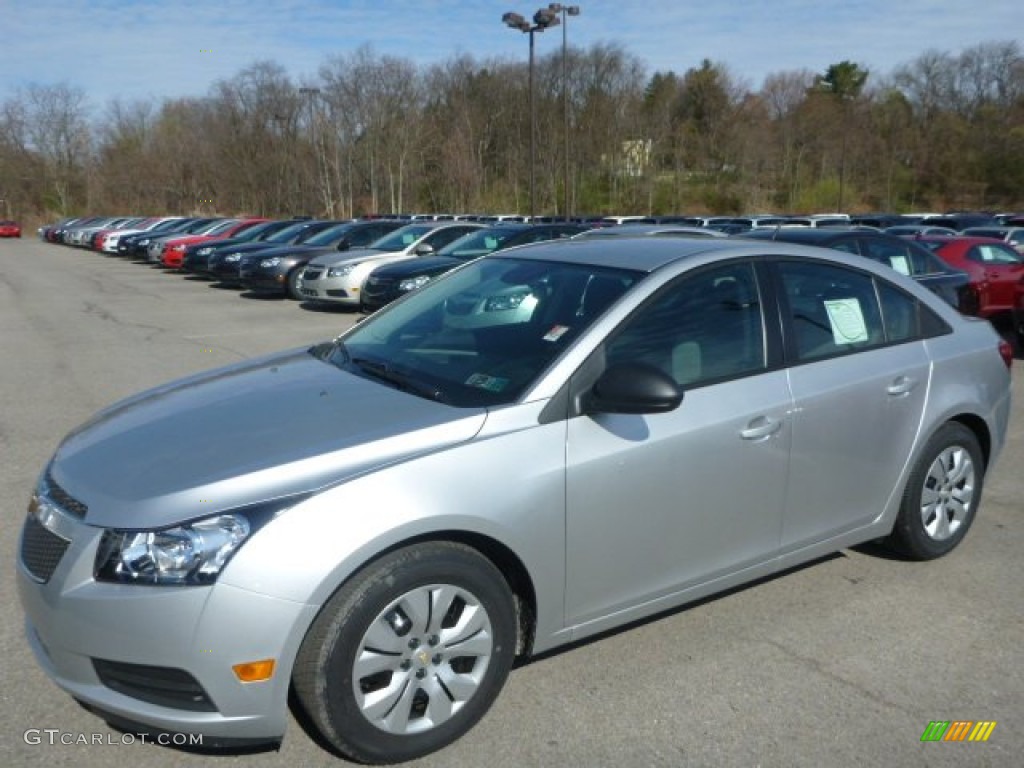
422,659
947,497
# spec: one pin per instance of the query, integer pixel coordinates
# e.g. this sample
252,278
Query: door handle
760,428
901,386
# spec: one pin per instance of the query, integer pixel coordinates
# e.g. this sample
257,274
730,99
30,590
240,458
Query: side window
896,255
993,254
703,327
846,245
832,310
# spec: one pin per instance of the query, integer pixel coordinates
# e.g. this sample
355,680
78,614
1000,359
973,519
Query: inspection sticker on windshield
847,320
556,332
490,383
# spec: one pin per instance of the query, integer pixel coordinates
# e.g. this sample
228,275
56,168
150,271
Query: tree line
373,133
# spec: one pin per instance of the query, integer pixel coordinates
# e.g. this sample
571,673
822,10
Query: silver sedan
542,445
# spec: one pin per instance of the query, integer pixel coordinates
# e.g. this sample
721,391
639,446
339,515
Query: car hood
335,257
421,265
296,251
241,435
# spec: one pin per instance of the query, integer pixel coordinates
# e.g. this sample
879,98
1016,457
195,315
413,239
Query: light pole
566,11
542,19
311,94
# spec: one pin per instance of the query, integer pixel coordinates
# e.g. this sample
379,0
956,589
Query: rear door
859,377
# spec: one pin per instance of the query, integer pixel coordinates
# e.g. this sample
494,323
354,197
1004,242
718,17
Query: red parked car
174,250
9,228
995,269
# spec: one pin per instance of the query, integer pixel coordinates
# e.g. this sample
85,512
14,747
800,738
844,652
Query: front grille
63,499
163,686
41,549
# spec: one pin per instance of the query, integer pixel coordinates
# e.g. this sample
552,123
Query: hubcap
948,493
422,659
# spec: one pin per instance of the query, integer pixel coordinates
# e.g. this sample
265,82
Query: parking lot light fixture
544,18
566,11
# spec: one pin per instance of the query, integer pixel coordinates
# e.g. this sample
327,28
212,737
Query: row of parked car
365,264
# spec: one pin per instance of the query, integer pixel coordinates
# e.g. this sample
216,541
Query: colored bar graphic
958,730
935,731
982,731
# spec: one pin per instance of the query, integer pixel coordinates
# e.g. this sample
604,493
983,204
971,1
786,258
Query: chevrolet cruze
539,446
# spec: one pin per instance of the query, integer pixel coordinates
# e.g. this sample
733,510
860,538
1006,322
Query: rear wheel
942,495
408,655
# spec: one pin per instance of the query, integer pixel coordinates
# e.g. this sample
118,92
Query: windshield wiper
384,372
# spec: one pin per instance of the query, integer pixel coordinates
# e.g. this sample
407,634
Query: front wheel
408,655
291,283
942,495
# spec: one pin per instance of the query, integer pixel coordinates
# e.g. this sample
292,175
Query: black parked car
902,255
197,256
390,281
277,270
224,265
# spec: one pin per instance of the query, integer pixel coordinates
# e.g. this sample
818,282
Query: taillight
1006,352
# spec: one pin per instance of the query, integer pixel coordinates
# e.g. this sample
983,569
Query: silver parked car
337,278
545,443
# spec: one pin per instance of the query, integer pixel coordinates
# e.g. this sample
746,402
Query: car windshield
221,228
288,234
329,235
203,226
402,238
254,232
483,334
478,243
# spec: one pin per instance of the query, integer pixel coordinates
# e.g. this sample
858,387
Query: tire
291,290
409,654
942,495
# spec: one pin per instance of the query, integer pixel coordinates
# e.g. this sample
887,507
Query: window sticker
847,321
490,383
556,332
899,263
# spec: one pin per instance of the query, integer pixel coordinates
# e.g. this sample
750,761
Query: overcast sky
168,48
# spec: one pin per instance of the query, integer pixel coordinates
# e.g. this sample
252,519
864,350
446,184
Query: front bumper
72,621
264,281
328,290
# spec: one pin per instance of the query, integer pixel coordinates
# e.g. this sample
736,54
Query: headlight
341,271
193,553
412,283
270,262
205,251
233,257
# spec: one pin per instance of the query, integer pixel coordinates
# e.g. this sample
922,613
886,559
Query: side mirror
343,244
633,388
424,249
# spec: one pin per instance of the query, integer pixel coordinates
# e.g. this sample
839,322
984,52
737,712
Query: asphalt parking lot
844,662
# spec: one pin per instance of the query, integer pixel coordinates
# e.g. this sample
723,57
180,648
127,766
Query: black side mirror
633,388
343,244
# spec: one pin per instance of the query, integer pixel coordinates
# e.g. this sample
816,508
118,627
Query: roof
643,253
